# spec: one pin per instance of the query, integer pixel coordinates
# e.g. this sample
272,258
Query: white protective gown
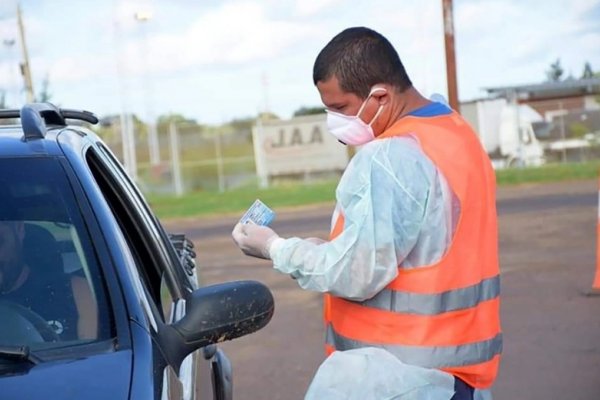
398,210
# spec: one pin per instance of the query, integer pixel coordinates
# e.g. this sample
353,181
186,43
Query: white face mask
350,129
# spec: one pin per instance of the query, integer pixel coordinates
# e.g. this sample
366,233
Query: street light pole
25,70
143,18
125,118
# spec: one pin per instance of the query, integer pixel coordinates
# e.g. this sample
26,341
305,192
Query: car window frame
142,222
145,228
103,255
175,262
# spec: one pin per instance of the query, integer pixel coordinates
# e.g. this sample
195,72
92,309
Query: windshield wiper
18,353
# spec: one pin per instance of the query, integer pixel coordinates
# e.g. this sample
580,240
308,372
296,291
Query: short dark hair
360,58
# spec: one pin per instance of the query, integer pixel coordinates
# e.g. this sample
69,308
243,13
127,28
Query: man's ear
381,92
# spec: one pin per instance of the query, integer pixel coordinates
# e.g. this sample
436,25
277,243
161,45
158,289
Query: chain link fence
192,158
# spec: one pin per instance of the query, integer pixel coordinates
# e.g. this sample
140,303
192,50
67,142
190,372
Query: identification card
259,214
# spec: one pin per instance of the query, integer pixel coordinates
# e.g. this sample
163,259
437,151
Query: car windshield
51,288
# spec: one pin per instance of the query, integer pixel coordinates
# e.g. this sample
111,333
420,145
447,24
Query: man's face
335,99
10,253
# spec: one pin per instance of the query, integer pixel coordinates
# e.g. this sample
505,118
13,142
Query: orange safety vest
444,315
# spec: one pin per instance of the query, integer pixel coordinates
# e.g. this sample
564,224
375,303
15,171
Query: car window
51,289
148,248
178,271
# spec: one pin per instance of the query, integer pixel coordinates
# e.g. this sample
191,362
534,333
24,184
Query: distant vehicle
97,301
506,131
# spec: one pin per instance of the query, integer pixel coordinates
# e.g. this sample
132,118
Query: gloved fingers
238,233
254,230
254,240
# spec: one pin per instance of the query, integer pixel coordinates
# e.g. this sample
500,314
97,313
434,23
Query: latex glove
254,240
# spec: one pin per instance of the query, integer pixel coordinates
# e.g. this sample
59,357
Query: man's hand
254,240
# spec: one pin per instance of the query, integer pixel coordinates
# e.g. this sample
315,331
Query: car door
163,276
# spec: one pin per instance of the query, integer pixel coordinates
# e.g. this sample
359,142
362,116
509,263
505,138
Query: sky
214,61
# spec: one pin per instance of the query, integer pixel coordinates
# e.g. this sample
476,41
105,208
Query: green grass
295,194
236,201
548,173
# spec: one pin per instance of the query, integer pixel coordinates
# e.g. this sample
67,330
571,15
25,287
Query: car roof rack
35,116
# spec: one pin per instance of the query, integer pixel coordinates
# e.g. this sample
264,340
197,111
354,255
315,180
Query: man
412,263
64,301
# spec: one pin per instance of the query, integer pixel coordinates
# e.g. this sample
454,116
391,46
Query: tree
555,72
578,130
268,116
183,124
245,124
309,111
588,73
176,118
242,124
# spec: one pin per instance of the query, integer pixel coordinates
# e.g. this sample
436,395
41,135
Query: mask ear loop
376,89
364,104
379,110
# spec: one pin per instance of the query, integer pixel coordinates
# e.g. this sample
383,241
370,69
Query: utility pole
154,147
25,70
450,57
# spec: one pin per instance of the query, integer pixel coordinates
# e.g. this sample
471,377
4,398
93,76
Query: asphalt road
547,237
296,222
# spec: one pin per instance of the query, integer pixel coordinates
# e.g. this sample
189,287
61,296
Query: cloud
234,34
304,8
8,28
228,36
76,69
7,8
489,16
586,16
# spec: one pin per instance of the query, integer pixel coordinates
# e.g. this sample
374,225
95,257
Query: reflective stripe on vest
426,356
432,304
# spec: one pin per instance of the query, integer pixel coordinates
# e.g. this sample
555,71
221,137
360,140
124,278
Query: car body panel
101,376
13,143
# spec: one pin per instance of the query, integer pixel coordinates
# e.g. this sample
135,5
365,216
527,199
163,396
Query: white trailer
506,131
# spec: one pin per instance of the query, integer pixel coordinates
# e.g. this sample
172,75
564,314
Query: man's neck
407,102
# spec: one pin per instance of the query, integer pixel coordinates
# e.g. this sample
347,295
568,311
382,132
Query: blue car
97,300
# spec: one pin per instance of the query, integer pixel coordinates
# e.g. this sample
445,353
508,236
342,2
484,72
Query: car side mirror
218,313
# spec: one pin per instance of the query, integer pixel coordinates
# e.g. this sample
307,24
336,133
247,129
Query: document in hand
259,214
